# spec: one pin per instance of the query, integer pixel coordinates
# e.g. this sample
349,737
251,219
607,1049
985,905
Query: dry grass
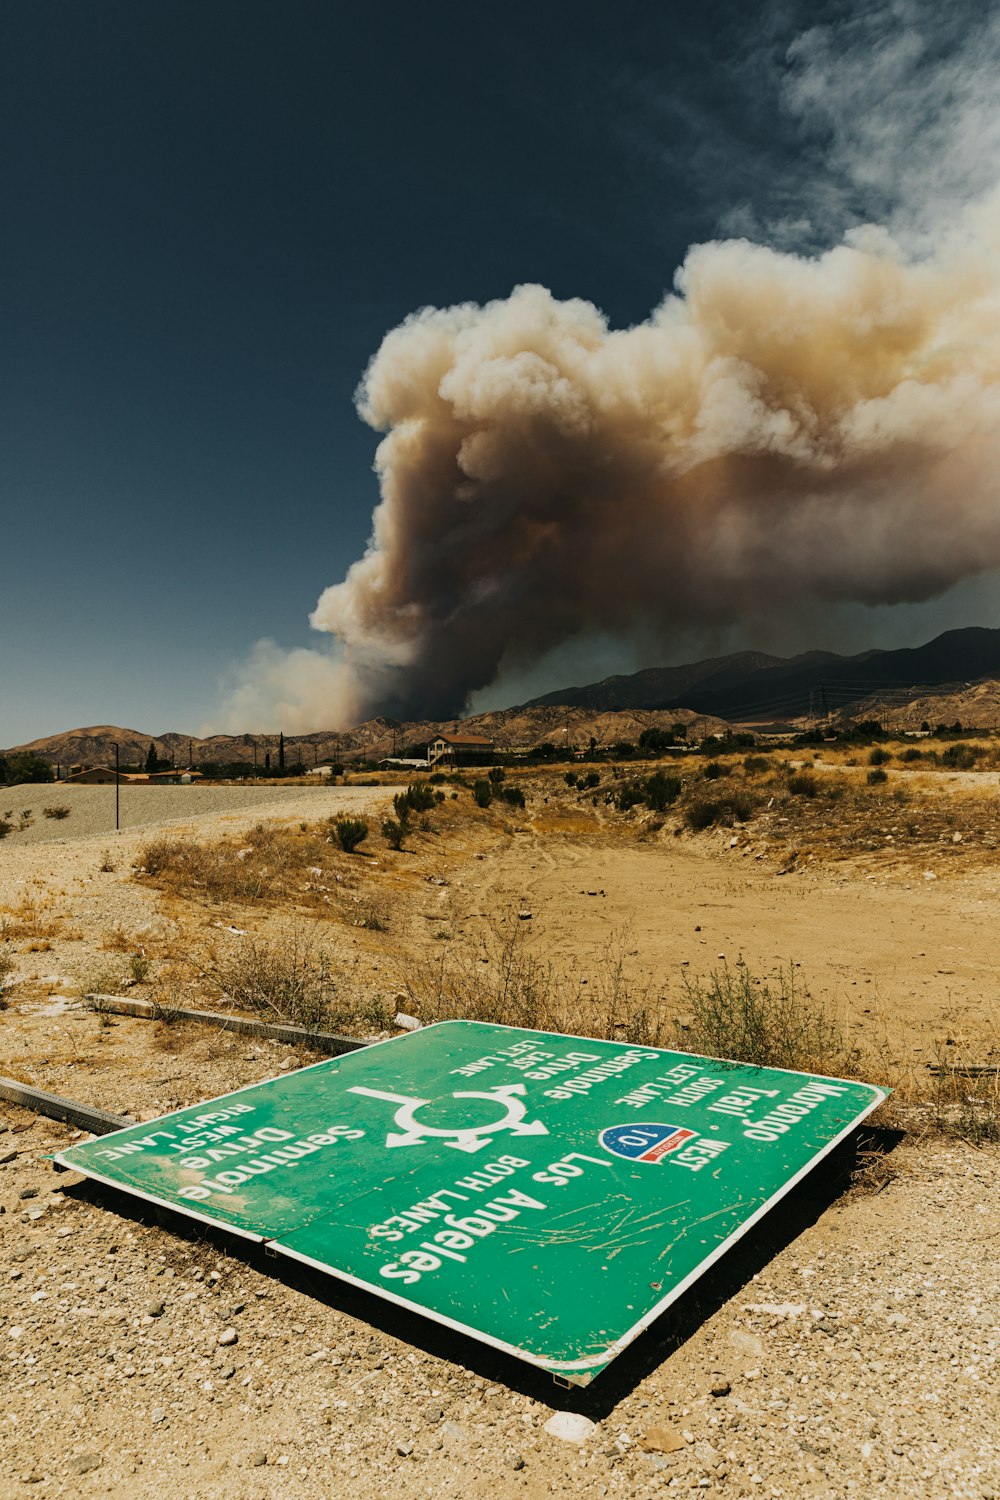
306,975
292,978
29,919
501,981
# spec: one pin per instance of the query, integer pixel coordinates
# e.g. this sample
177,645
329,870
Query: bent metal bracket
548,1195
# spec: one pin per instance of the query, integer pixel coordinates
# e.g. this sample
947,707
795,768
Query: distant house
402,763
459,749
102,776
171,778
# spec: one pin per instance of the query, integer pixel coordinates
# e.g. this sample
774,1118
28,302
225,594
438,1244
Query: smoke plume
784,430
780,429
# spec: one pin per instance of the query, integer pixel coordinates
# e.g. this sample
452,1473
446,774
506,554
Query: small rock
258,1460
661,1440
28,1193
570,1427
154,1309
408,1022
228,1336
158,1414
721,1388
83,1463
515,1461
524,916
404,1449
433,1415
7,1156
227,1372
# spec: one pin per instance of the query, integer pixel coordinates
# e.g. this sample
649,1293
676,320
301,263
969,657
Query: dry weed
27,920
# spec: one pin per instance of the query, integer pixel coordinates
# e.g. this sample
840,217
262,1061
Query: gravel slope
92,808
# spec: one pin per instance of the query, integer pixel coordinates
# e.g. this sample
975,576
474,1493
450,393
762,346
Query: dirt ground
854,1335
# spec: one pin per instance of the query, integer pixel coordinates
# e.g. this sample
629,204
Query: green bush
629,795
714,770
912,754
770,1024
962,757
512,795
754,764
55,812
349,832
702,812
592,778
418,797
803,784
570,778
393,832
661,791
495,775
877,777
482,793
878,756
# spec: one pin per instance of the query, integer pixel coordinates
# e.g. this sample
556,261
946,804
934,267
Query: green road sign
549,1195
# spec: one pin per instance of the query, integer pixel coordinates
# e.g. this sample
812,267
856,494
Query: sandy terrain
856,1331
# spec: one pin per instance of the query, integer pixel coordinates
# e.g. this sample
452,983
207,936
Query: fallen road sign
548,1195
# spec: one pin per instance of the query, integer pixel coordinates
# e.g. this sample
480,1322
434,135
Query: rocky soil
851,1350
847,1348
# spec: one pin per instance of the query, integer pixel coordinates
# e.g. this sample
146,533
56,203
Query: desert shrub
221,871
570,778
629,795
482,793
661,790
714,770
349,832
419,796
403,806
964,1103
502,983
878,756
495,775
771,1024
393,832
137,967
5,827
877,777
962,757
912,754
371,913
512,795
6,966
803,784
755,764
592,778
55,812
702,812
290,979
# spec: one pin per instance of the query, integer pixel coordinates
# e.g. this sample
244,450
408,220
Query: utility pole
117,821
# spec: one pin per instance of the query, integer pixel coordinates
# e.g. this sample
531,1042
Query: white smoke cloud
783,427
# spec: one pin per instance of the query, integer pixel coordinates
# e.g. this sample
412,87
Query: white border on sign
577,1371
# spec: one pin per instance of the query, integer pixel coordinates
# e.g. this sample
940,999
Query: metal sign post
549,1195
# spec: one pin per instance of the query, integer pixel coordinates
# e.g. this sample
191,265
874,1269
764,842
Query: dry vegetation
326,918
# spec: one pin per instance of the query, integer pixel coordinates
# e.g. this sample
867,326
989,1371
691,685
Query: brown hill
510,729
975,705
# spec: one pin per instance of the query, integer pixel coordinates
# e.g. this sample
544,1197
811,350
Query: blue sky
214,213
